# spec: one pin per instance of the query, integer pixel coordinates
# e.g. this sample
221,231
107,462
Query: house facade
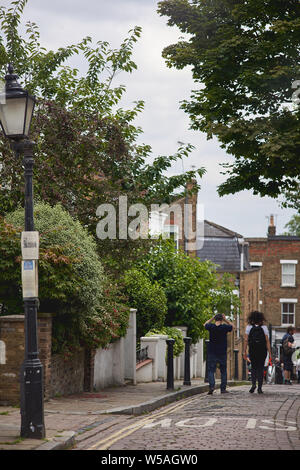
278,258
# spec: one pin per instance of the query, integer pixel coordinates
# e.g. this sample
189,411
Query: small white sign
30,278
30,245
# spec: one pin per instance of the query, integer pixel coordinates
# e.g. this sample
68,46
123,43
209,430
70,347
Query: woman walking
257,338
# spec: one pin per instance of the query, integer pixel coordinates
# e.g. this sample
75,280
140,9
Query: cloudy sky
63,22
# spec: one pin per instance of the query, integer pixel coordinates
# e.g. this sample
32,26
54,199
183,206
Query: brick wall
60,377
44,345
12,335
270,251
67,377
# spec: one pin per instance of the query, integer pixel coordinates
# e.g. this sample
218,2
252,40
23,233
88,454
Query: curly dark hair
256,318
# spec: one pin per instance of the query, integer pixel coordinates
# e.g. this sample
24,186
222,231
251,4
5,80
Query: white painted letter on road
209,422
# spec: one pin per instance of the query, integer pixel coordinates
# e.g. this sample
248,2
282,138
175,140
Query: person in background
297,359
257,339
298,370
217,349
287,358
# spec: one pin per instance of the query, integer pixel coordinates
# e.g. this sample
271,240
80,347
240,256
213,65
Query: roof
221,246
214,230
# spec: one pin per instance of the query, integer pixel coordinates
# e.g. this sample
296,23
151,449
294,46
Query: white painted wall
144,373
117,362
130,349
109,365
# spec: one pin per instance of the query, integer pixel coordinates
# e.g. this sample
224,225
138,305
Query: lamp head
16,107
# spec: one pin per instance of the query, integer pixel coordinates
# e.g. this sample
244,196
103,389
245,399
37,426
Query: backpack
287,350
257,340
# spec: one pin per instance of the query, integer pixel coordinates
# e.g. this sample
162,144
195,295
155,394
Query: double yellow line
105,444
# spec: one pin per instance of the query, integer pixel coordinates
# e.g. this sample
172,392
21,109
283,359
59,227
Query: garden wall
84,371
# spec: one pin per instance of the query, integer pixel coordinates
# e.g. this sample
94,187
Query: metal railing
141,355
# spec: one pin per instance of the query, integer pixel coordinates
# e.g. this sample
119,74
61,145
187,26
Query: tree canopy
293,226
87,150
244,56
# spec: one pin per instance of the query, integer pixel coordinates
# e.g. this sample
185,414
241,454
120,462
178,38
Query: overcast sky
63,22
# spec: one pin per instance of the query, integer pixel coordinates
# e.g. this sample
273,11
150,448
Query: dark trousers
257,370
213,359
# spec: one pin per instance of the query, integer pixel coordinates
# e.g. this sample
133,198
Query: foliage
171,332
88,310
293,226
193,289
87,151
223,299
245,55
148,298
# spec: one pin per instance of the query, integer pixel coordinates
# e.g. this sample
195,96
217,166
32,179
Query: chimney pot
272,227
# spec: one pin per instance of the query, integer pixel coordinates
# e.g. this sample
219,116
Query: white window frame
2,352
283,263
288,301
257,264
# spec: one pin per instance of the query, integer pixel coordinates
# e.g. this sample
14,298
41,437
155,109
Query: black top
218,337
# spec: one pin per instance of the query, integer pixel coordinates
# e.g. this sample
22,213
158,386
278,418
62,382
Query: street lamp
16,110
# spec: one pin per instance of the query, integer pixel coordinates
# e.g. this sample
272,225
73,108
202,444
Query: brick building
278,258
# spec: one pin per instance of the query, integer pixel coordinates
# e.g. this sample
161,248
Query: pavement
68,417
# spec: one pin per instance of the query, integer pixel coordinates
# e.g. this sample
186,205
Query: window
288,273
288,307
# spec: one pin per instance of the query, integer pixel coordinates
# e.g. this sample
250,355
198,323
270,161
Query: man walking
287,355
217,349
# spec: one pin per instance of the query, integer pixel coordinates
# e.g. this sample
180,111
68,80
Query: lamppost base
32,406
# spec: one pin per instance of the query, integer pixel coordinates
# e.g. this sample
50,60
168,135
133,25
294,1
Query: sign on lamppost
30,255
29,279
30,245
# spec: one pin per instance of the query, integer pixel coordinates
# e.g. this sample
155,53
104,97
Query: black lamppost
16,110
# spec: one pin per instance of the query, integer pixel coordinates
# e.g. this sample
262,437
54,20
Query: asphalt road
234,421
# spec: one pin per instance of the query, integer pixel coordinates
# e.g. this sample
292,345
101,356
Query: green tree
148,298
193,289
244,56
293,226
87,151
89,310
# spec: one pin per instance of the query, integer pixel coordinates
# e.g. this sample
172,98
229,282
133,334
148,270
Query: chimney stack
272,228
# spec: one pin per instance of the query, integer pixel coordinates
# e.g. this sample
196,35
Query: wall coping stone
16,318
12,318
